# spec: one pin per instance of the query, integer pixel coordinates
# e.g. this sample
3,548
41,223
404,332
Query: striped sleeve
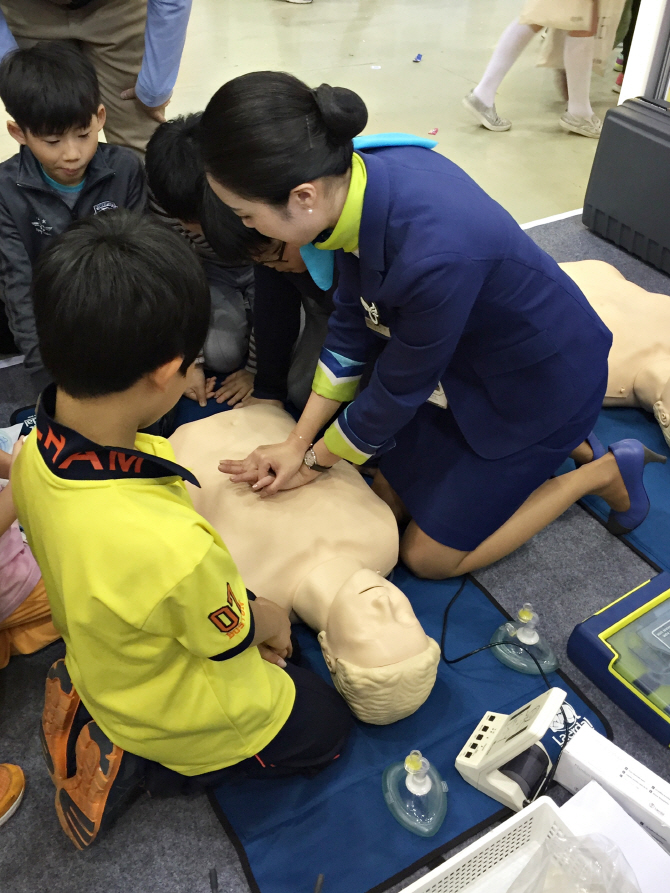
341,440
337,376
251,365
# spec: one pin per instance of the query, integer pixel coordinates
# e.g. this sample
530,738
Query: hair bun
343,112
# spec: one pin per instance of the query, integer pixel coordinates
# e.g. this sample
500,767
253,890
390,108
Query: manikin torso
639,362
321,551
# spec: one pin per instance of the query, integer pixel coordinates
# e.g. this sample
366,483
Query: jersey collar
72,456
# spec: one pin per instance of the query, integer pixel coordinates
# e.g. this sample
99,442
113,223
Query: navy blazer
466,299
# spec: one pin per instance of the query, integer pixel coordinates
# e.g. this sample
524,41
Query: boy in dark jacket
60,174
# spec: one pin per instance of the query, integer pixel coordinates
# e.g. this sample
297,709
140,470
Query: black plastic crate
628,196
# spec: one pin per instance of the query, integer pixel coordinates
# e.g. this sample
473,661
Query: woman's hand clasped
271,468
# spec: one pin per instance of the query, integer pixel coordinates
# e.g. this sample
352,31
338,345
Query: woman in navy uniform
492,367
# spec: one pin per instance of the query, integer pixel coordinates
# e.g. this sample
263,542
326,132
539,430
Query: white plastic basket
492,863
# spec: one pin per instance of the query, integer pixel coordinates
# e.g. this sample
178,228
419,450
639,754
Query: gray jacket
32,213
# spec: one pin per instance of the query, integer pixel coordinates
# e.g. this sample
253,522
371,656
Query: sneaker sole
57,718
482,120
96,772
12,809
568,128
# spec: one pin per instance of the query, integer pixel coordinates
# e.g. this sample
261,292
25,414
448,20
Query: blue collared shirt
164,39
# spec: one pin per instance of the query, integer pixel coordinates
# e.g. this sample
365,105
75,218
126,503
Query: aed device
503,757
625,649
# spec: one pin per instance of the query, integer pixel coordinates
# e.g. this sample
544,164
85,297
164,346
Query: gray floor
567,571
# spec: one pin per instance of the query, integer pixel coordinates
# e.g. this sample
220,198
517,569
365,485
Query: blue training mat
288,831
652,538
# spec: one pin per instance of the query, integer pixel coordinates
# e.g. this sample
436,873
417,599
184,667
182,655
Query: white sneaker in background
590,127
487,117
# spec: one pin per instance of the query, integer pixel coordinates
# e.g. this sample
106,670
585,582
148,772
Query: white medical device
503,756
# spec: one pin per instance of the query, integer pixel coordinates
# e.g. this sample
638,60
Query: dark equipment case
628,195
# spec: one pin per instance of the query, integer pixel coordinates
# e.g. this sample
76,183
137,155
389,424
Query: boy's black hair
49,88
174,167
117,296
234,243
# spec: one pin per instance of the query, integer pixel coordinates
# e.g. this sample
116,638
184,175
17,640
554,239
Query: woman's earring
310,210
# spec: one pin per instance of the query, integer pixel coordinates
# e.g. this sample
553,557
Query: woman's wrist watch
310,461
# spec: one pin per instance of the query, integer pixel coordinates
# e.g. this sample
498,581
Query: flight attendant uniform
493,366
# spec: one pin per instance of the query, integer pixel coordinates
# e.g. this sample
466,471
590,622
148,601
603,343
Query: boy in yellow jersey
175,677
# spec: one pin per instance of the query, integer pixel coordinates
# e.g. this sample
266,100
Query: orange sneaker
12,786
107,779
60,706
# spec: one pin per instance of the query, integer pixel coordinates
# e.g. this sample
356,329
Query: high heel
631,456
596,446
597,449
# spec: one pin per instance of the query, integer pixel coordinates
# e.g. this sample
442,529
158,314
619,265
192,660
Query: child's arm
136,199
277,306
7,510
272,631
5,464
16,278
211,613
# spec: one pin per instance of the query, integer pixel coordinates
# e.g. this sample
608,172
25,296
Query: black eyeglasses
279,259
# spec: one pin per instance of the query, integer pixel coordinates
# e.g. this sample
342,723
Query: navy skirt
457,497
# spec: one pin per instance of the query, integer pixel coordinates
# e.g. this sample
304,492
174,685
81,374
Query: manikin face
371,624
299,222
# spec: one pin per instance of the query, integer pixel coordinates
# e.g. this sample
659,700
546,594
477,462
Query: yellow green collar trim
345,234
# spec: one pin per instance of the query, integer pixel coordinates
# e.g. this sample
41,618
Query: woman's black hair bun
343,112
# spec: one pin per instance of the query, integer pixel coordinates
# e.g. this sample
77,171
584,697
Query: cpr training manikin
321,551
639,362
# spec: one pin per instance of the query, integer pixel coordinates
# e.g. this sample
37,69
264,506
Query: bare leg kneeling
427,558
382,488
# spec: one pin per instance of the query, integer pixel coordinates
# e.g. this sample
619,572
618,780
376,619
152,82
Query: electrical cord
550,777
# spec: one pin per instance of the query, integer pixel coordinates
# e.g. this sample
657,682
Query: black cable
550,777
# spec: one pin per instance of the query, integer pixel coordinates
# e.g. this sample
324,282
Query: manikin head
379,657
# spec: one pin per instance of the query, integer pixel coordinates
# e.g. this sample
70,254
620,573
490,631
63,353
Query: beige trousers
111,33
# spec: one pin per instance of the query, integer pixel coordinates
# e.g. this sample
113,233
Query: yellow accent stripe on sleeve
338,444
344,391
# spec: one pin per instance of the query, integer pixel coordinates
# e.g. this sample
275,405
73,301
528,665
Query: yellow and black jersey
153,611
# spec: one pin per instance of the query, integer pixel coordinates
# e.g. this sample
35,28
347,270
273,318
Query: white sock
515,38
578,57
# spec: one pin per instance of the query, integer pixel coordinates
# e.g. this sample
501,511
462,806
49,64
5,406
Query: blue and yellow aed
625,649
